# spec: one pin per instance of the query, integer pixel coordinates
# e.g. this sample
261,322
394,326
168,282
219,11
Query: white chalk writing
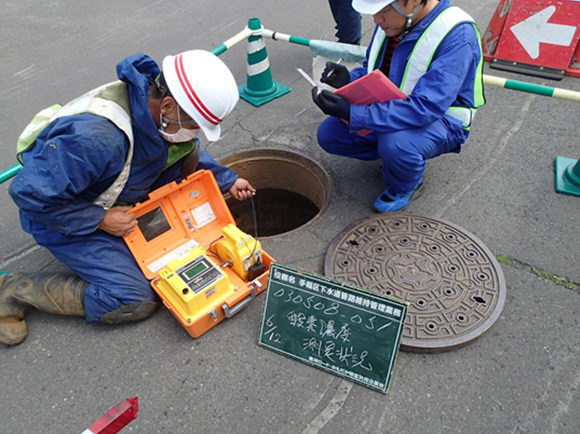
291,296
329,350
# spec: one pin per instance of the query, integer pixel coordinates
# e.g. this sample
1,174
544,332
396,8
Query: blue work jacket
449,81
76,158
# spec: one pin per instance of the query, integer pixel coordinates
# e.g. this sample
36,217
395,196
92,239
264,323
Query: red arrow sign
541,32
531,31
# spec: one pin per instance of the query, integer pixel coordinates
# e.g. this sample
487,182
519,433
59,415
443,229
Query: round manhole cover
453,284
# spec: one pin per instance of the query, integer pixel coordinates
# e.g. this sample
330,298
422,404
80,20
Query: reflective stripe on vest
376,45
422,54
109,101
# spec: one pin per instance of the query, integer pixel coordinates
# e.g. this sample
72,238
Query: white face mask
182,135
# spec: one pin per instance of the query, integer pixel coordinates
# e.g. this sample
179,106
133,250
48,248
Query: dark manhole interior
277,212
291,191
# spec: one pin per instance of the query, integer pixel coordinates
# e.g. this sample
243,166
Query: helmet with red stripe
204,88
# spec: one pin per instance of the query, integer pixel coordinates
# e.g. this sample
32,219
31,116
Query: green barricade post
260,87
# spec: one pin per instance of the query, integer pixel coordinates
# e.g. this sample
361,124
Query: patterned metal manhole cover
453,283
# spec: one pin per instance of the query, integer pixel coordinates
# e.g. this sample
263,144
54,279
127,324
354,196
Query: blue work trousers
403,153
348,21
104,261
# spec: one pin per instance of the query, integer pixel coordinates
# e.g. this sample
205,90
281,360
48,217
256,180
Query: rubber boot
58,293
130,313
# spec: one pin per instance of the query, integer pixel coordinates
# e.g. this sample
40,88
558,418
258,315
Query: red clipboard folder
370,88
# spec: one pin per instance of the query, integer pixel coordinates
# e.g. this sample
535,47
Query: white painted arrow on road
536,29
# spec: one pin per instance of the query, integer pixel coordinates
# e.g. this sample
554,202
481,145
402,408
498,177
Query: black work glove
331,103
335,75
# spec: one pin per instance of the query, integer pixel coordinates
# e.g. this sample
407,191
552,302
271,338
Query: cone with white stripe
260,88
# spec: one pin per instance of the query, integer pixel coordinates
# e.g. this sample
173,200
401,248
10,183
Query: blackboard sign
334,326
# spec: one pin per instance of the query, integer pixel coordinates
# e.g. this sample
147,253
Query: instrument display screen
199,273
195,270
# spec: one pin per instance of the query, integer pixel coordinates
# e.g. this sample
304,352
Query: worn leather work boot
58,293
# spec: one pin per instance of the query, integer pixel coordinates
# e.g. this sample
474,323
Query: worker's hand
242,189
335,75
331,103
117,223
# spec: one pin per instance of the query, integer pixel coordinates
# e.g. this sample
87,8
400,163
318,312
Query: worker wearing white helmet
431,51
83,162
196,90
204,88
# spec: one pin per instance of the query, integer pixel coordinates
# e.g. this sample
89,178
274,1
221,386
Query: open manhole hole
454,285
291,191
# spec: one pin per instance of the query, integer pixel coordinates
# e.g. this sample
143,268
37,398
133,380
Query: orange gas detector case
201,265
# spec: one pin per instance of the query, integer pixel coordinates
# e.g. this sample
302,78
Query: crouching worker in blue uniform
86,162
431,51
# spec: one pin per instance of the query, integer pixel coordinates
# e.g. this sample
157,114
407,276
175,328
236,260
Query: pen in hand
331,73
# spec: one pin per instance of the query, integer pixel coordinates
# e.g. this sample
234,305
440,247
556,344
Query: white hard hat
370,7
204,88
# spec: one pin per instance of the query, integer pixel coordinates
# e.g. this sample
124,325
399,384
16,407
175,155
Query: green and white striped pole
236,39
537,89
353,53
330,49
260,87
